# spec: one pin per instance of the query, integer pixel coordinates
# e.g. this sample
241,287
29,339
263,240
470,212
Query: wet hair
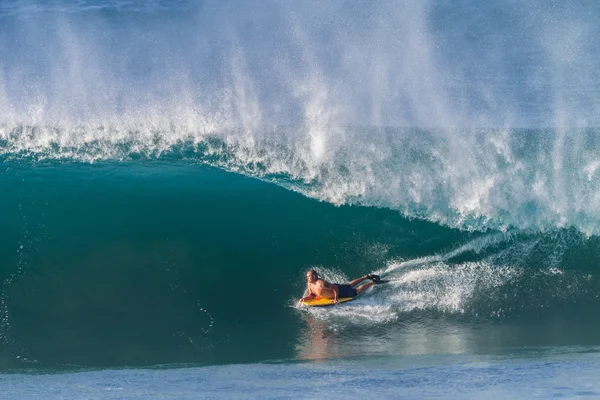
313,272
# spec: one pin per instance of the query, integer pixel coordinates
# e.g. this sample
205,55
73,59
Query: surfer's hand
335,301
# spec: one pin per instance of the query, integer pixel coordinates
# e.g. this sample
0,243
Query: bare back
322,288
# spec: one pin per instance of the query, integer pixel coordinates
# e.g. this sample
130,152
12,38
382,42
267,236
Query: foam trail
477,245
435,287
425,283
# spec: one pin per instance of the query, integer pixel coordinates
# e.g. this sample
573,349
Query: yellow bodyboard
320,301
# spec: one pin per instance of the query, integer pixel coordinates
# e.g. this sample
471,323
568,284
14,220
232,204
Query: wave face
452,146
150,262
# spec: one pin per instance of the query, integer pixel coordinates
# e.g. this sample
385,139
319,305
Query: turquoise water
169,171
150,263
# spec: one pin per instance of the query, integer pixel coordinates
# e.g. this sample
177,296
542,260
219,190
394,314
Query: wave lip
472,180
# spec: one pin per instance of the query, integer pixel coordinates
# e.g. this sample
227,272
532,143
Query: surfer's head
312,276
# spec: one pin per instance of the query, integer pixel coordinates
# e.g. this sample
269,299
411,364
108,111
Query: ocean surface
170,170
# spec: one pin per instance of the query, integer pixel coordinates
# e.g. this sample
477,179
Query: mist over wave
424,64
418,107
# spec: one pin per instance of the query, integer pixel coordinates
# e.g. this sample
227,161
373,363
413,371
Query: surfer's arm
334,288
310,294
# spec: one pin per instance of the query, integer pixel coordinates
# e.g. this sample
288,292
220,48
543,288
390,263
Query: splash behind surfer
318,287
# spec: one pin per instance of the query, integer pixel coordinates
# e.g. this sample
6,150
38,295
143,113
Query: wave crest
468,179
